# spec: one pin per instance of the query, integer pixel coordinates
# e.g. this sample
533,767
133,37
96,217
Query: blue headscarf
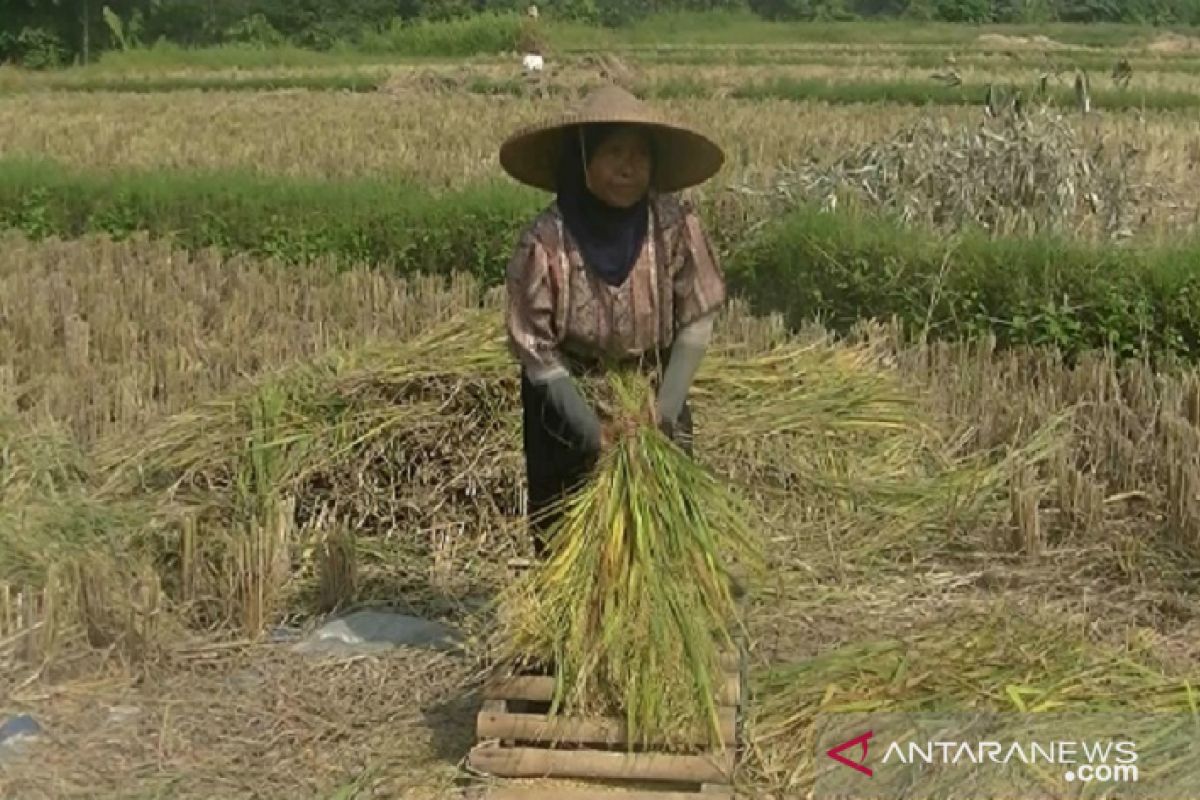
610,238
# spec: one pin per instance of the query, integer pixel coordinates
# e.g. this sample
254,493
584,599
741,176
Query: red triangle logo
860,741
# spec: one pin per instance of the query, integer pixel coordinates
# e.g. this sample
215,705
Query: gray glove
564,396
686,354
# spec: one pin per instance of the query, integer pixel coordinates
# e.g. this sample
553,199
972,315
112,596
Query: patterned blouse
558,310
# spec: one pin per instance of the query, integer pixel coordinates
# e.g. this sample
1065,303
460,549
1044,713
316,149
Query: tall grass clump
1039,290
1018,173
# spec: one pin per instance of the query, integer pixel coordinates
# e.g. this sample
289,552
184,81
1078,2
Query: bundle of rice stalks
634,604
1018,174
987,659
422,436
770,406
811,390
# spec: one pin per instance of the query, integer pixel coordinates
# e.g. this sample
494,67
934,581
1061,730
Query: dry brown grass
1017,175
105,336
1059,71
1132,467
434,139
234,721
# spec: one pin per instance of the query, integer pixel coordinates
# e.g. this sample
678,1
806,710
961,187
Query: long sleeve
534,340
700,292
532,331
699,284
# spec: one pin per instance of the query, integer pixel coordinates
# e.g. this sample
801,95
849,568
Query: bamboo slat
565,793
531,762
580,730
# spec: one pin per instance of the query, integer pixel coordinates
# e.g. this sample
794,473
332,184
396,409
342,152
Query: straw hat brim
683,157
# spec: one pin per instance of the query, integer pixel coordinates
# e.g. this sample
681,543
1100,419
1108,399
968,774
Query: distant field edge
1142,301
911,93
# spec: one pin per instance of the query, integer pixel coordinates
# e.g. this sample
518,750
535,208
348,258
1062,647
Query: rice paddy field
252,372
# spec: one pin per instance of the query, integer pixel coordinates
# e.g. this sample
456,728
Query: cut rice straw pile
360,441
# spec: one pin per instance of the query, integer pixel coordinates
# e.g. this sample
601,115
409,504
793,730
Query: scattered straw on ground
257,722
986,655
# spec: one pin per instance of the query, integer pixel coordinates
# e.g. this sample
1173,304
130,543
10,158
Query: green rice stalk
633,606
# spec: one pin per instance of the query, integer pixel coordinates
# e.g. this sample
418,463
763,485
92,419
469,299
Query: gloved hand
667,426
579,416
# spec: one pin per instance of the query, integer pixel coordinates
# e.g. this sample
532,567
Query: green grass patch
1140,300
485,33
390,224
170,56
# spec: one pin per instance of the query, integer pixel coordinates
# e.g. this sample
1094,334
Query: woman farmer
616,269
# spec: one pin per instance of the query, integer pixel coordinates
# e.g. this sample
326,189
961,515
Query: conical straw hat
683,157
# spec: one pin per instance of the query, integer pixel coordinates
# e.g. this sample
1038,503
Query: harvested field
341,136
353,136
1076,515
140,329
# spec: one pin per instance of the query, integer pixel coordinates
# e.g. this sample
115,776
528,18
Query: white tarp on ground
368,631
